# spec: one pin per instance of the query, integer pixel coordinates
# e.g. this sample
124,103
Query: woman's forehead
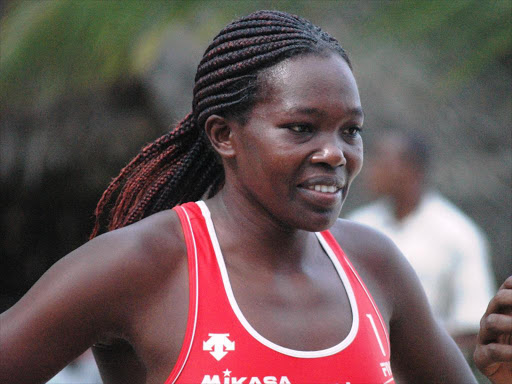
309,82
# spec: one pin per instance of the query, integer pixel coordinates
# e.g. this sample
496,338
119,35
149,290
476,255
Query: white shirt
448,252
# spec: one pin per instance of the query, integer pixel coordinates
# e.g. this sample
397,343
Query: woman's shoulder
153,235
154,245
376,259
139,263
365,244
121,268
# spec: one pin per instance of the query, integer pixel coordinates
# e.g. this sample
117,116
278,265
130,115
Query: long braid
181,165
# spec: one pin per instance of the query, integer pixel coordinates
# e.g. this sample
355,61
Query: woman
242,288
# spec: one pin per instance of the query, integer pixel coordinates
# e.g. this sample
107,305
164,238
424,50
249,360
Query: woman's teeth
323,188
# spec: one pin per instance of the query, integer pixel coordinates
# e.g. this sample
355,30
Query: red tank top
221,347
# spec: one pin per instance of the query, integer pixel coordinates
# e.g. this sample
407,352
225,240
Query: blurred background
85,84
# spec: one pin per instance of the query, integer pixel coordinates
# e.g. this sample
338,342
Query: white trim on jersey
197,298
236,309
372,322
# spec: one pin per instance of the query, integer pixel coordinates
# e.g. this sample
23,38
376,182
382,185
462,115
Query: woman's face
301,146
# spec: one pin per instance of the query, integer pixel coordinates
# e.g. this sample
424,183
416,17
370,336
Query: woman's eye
300,128
352,131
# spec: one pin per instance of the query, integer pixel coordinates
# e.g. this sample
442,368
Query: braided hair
181,166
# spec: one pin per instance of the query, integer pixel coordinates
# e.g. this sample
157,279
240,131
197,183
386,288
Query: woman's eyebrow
356,112
307,111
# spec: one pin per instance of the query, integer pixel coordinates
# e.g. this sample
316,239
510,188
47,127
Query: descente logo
215,379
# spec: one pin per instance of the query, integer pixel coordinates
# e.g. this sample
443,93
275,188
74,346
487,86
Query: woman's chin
319,222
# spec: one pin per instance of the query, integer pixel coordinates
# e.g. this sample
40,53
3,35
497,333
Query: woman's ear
220,132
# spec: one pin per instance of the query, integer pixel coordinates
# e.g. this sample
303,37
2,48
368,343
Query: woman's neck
251,233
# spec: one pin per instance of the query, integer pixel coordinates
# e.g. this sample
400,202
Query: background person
444,246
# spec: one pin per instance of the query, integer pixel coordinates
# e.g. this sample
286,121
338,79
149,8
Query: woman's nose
330,153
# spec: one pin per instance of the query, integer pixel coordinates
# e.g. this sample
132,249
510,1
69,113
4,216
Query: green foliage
47,46
463,36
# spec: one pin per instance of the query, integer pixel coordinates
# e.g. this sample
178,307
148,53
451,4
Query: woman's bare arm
422,351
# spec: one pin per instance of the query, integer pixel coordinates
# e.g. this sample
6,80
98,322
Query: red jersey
221,346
